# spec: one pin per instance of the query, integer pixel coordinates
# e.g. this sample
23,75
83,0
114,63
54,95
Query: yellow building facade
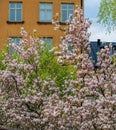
33,14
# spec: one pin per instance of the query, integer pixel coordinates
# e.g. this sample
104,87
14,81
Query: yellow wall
30,18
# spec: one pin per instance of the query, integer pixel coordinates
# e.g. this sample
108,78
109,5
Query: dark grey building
96,46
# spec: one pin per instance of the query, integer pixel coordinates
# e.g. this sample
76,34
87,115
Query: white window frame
45,11
15,8
66,10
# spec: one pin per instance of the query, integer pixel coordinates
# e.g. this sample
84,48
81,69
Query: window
68,44
47,42
70,48
66,11
14,40
15,12
45,12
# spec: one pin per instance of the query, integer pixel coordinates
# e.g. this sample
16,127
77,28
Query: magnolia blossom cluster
87,101
94,88
76,37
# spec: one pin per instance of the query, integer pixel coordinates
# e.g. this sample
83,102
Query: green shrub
49,67
2,55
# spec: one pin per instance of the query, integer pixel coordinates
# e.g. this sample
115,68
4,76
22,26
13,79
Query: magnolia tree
87,100
94,90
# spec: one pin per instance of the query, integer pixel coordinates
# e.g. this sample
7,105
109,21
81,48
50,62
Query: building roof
96,46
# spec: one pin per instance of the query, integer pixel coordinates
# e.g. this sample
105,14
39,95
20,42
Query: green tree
107,14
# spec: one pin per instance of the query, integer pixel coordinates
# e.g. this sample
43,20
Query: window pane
49,6
12,5
14,41
12,15
70,48
18,15
19,5
70,12
70,6
42,15
49,16
45,12
42,6
17,41
48,42
64,16
64,6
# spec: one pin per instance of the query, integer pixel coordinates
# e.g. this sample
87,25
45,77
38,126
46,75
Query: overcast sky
97,30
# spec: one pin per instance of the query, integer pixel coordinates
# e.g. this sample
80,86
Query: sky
97,30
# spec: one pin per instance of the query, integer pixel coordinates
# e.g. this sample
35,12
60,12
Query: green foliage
107,14
49,67
114,59
2,55
1,58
